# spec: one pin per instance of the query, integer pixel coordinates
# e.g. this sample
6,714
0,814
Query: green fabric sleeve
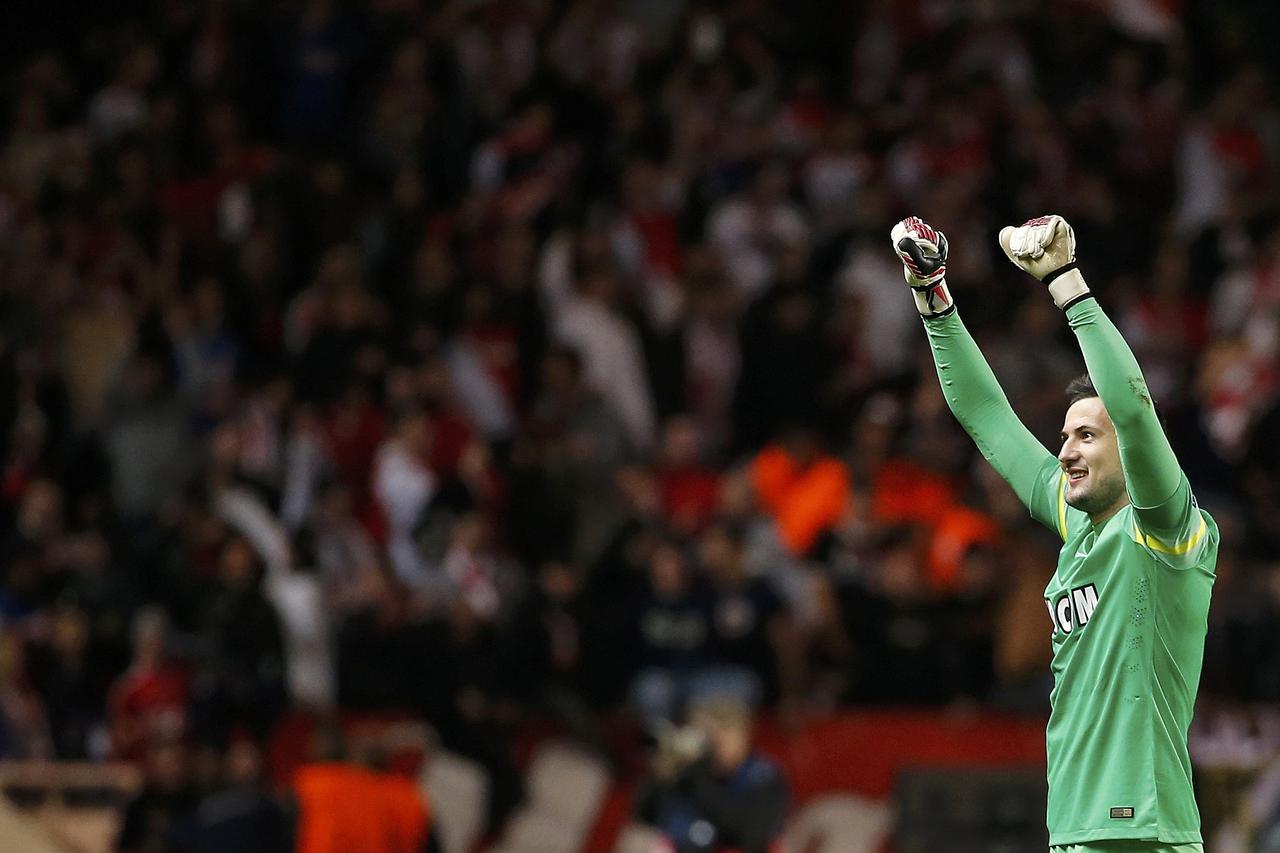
1151,469
979,403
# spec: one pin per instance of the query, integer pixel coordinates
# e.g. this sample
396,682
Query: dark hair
1081,388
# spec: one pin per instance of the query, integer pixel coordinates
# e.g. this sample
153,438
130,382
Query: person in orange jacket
801,487
346,806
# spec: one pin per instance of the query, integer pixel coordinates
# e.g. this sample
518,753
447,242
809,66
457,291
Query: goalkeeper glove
923,251
1046,248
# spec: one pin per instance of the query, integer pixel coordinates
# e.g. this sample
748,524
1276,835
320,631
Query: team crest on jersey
1073,609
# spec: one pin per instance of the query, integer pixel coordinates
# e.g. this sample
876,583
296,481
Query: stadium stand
528,368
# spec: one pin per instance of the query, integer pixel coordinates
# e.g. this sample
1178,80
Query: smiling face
1091,458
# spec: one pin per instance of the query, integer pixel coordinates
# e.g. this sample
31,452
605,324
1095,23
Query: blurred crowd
515,359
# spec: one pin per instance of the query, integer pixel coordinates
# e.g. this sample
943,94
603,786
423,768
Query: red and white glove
1046,248
923,251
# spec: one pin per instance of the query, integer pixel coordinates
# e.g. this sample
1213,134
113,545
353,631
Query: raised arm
969,385
1158,489
1151,469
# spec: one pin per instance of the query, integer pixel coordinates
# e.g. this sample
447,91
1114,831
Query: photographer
710,791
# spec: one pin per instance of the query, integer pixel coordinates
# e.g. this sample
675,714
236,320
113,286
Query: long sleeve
978,402
1150,467
1157,487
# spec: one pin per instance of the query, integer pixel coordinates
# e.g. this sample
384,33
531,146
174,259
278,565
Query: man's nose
1068,453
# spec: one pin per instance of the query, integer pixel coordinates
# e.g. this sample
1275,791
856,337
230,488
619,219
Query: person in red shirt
149,702
689,488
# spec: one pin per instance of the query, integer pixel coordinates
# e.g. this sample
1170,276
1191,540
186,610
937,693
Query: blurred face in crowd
728,731
874,429
30,430
238,565
70,632
339,266
334,503
667,571
981,570
737,497
208,303
470,532
1091,458
681,446
150,637
721,553
41,512
350,308
243,763
401,388
89,553
899,575
224,446
167,766
532,128
559,583
433,269
639,490
415,434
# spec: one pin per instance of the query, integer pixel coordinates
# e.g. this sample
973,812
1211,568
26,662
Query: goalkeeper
1129,600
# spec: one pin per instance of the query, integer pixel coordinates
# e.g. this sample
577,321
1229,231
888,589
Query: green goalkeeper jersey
1128,602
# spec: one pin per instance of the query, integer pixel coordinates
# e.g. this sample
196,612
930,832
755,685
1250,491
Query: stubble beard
1100,497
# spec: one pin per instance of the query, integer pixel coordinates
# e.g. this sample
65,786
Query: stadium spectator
244,685
69,679
710,790
168,795
802,488
689,486
348,803
23,722
404,484
240,814
785,362
673,636
150,702
346,347
750,622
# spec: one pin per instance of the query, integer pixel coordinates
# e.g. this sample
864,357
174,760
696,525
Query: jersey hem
1151,832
